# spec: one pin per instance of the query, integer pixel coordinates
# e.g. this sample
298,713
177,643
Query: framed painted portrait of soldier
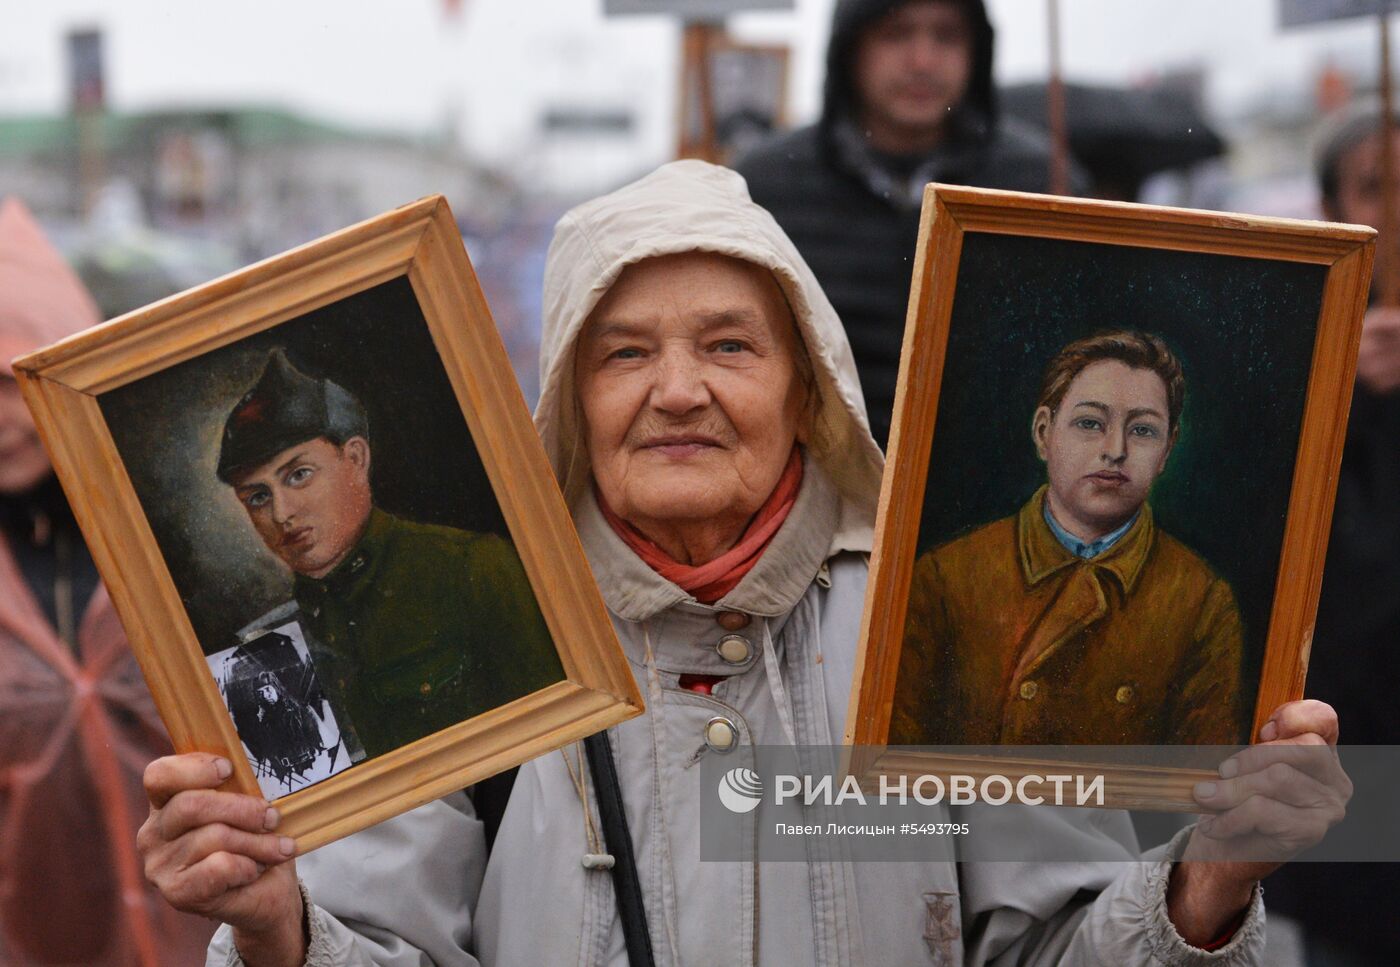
1109,486
329,527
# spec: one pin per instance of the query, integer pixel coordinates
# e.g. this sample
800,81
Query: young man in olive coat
424,626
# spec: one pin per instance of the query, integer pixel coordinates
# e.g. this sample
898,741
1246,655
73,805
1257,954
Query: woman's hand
215,854
1273,800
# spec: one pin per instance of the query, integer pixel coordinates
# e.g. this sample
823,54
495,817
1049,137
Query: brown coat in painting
1011,639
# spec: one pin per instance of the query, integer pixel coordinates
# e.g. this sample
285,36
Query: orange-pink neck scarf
712,580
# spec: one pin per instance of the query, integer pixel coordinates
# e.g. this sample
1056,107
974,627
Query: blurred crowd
909,98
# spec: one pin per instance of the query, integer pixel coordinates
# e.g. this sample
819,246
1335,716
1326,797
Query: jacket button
721,734
425,688
732,620
1028,690
734,649
1124,695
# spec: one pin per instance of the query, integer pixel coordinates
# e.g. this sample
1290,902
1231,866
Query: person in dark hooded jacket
909,99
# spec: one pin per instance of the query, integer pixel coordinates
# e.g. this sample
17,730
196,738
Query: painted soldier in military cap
427,625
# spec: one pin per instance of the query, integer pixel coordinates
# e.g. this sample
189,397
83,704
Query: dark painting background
167,427
1243,330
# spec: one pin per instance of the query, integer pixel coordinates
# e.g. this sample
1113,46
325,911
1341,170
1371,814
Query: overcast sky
399,64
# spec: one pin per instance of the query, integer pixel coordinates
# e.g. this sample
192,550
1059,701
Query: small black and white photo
283,715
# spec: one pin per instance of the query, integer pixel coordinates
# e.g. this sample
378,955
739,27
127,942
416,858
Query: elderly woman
701,410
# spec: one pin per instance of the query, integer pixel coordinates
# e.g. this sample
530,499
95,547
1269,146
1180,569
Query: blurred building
148,203
260,179
1271,154
1272,137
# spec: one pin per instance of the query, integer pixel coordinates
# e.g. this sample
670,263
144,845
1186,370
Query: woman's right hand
216,854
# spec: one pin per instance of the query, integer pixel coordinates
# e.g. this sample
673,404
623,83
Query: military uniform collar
1042,554
634,592
359,565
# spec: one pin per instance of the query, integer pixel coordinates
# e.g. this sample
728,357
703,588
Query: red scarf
713,580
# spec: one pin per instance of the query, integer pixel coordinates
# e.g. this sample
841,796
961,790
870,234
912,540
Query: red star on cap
249,412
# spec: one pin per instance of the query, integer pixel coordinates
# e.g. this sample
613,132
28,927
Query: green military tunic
425,626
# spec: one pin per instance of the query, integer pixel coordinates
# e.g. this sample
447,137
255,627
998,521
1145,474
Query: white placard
692,9
1299,13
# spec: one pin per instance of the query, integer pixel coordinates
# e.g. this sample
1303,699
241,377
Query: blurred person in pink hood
77,725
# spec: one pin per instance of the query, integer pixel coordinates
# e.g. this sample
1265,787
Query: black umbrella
1122,135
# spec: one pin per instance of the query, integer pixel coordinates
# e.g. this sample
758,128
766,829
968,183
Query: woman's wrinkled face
689,383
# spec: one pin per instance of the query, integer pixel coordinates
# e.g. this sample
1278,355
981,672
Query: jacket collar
954,160
634,592
1042,555
359,565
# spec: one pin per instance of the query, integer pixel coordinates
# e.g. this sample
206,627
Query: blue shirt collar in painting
1079,548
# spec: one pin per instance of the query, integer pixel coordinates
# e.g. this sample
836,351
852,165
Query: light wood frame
948,214
62,382
701,44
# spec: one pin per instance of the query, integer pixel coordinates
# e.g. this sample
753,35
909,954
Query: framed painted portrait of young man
329,527
1110,478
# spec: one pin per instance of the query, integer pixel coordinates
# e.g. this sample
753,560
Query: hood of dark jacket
853,16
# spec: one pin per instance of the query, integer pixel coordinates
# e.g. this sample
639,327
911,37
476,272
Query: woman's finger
1297,718
171,774
206,886
1279,781
265,849
1273,829
199,807
1308,753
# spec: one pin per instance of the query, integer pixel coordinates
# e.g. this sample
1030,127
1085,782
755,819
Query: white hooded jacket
418,889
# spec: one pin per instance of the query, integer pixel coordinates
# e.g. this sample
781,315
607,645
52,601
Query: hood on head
691,206
41,299
853,16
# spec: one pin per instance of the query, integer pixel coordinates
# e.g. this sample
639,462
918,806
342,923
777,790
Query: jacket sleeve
399,894
1208,710
923,661
1108,908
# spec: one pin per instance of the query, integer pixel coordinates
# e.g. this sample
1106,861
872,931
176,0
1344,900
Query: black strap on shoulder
490,796
627,885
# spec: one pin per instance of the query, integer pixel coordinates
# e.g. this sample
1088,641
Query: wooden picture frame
68,384
731,94
961,226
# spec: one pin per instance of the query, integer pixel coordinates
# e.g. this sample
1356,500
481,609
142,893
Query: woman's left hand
1272,801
